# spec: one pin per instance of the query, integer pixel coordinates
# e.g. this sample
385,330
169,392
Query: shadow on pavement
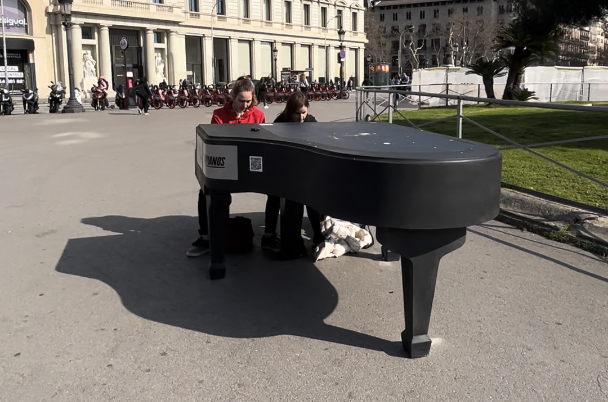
540,255
146,265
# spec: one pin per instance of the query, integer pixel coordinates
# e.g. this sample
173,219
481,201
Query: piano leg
421,251
218,213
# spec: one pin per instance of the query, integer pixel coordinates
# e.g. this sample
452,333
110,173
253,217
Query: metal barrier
544,91
362,100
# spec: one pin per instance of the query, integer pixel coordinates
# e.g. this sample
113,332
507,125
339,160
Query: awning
18,44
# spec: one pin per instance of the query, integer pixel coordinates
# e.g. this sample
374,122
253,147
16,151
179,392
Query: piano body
419,189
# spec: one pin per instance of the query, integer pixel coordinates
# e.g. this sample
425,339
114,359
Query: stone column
208,59
105,55
295,56
233,51
314,55
256,59
150,66
177,57
76,50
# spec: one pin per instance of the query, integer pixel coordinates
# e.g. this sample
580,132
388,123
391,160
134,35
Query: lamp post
275,52
4,44
341,34
65,8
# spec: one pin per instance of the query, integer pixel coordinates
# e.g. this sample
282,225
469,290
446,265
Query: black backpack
239,236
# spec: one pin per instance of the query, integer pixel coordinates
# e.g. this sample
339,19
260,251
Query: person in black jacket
296,111
142,90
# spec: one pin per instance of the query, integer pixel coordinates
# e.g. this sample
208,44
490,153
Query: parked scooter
30,101
56,97
6,102
119,99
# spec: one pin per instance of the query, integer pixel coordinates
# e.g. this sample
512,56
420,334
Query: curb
581,228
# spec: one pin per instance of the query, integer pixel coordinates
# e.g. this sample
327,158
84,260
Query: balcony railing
138,6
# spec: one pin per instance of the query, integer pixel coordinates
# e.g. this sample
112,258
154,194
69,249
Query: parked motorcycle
170,96
6,102
194,95
157,97
56,97
30,101
119,99
98,98
182,95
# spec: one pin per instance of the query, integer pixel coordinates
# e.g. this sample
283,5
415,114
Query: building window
245,8
509,7
339,15
220,7
450,12
159,37
421,14
307,14
324,17
395,16
87,33
436,14
465,10
381,19
157,1
268,10
354,22
288,12
480,10
193,6
501,9
408,15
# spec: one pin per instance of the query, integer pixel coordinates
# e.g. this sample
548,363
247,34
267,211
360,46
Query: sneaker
147,114
138,110
271,243
265,106
198,248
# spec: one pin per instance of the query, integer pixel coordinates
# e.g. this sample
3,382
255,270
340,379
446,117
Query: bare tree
379,45
415,44
468,37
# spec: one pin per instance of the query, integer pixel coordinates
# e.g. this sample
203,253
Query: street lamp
275,52
65,8
341,34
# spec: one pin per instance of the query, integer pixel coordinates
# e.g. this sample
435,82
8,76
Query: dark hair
244,85
295,102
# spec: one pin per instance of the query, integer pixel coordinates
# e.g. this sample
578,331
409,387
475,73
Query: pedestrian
291,246
262,91
304,85
142,90
241,110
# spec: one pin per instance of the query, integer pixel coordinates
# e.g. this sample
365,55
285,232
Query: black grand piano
419,189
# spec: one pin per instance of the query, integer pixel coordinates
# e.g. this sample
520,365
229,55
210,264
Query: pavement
98,301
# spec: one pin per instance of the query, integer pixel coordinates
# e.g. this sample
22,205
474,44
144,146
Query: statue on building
88,65
160,67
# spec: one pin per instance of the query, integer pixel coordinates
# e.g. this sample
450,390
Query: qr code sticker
255,163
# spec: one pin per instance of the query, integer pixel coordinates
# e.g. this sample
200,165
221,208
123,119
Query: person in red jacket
242,110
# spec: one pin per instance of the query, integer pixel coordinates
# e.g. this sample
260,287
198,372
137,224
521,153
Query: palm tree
487,70
528,45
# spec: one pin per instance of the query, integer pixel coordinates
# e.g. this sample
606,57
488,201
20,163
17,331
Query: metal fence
374,102
544,91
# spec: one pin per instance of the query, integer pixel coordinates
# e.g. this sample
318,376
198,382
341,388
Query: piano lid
365,139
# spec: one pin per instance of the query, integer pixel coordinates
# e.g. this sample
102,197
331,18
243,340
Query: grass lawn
528,126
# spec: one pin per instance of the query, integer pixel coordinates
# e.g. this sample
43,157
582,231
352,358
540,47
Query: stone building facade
203,40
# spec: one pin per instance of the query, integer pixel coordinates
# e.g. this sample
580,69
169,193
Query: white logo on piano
217,161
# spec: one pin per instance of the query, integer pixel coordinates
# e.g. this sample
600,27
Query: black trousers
144,102
292,218
203,222
262,97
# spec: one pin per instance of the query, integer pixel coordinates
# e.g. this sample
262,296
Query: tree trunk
488,83
514,69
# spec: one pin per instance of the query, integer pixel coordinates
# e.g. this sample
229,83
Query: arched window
15,17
